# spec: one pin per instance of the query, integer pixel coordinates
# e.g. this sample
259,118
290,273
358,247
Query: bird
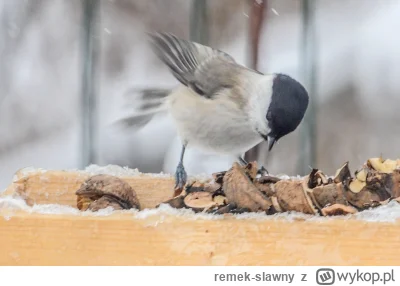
220,105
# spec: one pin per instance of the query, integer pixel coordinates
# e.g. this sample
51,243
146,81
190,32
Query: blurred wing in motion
145,103
203,69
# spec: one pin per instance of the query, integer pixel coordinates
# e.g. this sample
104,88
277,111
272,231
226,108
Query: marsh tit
221,106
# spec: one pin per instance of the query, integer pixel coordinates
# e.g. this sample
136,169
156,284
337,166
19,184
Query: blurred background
67,69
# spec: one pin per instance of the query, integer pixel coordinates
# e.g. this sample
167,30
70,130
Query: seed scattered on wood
384,166
220,200
240,189
356,186
361,174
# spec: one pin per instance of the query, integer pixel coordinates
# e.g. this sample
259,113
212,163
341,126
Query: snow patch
17,203
167,210
286,177
118,171
12,203
385,213
24,172
112,170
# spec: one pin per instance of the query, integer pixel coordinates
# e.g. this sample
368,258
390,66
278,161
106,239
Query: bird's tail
145,103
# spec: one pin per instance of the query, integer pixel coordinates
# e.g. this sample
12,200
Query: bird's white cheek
259,123
257,115
263,128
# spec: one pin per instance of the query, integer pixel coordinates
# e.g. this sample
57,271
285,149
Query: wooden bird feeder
55,217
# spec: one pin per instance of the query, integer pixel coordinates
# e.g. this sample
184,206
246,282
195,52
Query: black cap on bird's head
289,102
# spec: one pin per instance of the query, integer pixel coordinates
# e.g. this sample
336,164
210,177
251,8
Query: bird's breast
213,125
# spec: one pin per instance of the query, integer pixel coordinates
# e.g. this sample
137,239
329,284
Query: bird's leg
262,171
180,174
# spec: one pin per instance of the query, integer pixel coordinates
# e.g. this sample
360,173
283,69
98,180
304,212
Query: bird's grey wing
201,68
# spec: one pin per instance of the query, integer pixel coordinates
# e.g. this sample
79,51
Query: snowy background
358,80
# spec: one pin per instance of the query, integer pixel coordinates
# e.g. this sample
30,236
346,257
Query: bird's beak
271,142
270,139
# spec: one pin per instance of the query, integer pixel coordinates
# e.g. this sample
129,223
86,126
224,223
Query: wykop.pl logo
325,276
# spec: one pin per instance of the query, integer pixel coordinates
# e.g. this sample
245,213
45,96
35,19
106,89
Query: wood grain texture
29,238
36,239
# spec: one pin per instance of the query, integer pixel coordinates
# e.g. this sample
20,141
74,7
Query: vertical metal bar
199,22
308,142
256,18
88,91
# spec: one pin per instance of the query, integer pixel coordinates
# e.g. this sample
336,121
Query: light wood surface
35,239
59,187
29,238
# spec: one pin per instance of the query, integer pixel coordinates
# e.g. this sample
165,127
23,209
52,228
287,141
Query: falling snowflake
275,12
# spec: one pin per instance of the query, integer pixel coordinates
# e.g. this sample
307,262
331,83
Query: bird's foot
180,179
262,171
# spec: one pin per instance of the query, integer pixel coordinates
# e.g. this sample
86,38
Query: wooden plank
121,239
58,187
